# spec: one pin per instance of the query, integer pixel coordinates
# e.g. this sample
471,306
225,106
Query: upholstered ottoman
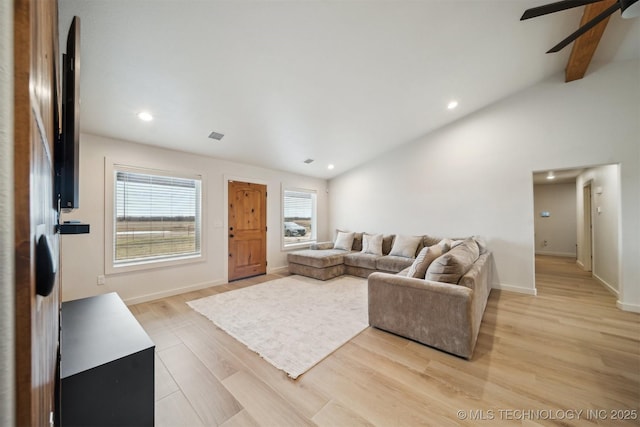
319,264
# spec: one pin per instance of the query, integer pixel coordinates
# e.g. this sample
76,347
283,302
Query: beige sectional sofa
436,297
443,315
323,261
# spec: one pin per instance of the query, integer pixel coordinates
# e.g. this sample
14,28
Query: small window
299,217
156,217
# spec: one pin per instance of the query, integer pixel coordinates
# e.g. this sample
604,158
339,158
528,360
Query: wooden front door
247,229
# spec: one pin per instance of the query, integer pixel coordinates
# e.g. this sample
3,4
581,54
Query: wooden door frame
226,179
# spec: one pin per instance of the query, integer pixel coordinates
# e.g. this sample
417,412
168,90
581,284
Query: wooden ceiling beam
585,46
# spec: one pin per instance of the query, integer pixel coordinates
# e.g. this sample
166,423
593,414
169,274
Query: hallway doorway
582,204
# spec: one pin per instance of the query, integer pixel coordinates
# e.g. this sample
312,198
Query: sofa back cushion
428,240
405,246
344,240
424,259
451,266
387,243
357,242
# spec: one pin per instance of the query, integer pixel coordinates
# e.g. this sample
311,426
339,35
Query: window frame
111,267
314,218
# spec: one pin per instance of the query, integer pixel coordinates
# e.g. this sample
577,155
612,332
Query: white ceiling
336,81
565,176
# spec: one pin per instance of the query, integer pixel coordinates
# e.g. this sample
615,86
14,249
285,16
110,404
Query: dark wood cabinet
106,365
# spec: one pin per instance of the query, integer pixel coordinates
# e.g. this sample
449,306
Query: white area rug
293,322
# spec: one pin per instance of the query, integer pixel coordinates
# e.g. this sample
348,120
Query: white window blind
298,204
299,213
156,217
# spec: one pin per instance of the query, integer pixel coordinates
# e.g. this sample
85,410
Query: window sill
153,264
301,245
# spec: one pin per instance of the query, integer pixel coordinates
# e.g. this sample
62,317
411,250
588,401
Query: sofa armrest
321,245
433,313
478,275
479,279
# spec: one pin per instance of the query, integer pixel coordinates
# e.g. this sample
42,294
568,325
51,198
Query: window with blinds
299,213
156,217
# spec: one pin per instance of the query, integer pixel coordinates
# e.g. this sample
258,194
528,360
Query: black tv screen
66,154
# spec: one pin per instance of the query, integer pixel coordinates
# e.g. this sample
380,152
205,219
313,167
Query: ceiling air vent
215,135
308,161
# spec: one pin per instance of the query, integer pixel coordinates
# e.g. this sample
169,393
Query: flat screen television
66,152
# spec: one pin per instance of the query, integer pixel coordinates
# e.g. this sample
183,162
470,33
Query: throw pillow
448,243
455,242
372,244
451,266
482,245
344,240
405,246
357,240
424,259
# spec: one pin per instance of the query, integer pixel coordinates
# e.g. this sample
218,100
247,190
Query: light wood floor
538,359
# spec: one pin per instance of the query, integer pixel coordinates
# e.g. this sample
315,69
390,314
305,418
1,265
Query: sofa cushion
426,256
344,240
318,259
450,267
360,259
387,243
393,263
372,244
405,246
404,272
357,242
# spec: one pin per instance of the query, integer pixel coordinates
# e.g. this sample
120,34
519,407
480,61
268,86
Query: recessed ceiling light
309,161
145,116
330,167
452,104
550,175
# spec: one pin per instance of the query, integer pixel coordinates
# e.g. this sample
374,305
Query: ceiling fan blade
554,7
628,8
586,27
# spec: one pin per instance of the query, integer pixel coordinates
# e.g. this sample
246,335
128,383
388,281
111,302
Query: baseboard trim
172,292
633,308
606,285
513,288
559,254
278,270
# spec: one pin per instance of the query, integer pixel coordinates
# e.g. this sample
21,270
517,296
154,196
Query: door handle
230,235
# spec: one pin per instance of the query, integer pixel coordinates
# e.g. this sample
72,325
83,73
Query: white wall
83,255
475,176
556,234
605,202
7,281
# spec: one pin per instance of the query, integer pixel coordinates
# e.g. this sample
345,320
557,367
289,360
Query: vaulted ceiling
339,82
